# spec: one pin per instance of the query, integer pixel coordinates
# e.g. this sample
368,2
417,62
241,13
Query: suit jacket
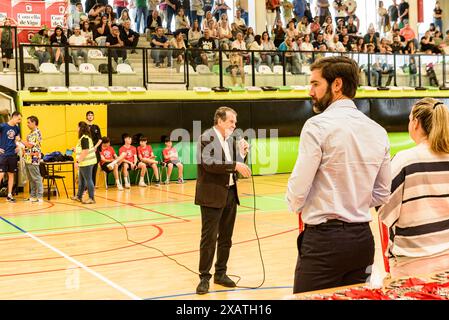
213,173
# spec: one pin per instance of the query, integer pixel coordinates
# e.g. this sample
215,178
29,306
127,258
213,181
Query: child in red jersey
171,159
130,159
147,158
109,161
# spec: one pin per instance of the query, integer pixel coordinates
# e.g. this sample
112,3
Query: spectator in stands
351,8
393,12
384,47
416,215
224,32
96,12
236,67
241,25
307,46
85,161
207,20
323,10
129,36
359,45
182,23
279,33
250,37
89,4
299,9
395,32
171,159
220,7
409,34
271,6
439,42
147,159
76,15
352,28
287,10
256,45
185,4
206,43
403,13
196,10
267,44
291,61
347,43
152,6
410,47
172,8
141,15
208,5
339,10
163,11
327,22
129,155
154,21
303,25
382,18
340,26
115,40
318,42
336,45
315,27
6,43
242,6
110,162
438,16
372,37
102,30
432,29
41,38
120,5
195,34
397,46
58,40
124,16
179,46
328,34
213,28
110,13
291,31
77,39
87,33
159,41
9,139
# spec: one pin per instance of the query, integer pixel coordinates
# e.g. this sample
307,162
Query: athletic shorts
8,164
174,162
7,53
105,168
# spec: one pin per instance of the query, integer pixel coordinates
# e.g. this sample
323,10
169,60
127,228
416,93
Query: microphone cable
123,226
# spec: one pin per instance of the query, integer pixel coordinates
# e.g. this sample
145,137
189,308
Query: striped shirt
417,214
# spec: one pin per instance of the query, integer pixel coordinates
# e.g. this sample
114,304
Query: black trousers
333,254
217,226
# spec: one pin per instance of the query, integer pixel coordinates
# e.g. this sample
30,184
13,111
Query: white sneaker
5,70
167,181
31,199
39,201
142,184
119,187
127,186
110,166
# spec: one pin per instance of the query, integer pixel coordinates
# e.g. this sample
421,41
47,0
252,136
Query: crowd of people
92,150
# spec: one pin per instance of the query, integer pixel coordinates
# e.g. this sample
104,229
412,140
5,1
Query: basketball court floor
143,243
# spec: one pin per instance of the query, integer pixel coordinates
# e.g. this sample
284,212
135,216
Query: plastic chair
278,69
124,68
52,177
87,68
48,68
94,53
263,69
203,69
248,69
106,174
72,68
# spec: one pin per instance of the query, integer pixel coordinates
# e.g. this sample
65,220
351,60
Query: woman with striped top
415,230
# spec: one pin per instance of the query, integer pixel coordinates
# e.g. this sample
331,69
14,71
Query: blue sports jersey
8,139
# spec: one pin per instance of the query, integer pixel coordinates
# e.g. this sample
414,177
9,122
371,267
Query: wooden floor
65,250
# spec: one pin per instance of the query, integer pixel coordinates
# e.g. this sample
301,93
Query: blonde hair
433,115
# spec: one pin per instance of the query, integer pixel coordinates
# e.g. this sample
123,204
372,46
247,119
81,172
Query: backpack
103,68
55,156
29,68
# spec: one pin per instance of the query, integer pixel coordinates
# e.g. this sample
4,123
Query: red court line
21,212
159,234
150,210
142,259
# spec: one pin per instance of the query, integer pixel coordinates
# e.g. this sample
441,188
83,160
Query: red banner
31,15
420,11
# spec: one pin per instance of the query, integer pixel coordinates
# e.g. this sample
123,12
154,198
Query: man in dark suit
220,157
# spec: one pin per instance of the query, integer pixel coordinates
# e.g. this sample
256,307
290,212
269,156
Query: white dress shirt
227,152
343,167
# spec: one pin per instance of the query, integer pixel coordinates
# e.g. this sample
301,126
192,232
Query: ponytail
433,115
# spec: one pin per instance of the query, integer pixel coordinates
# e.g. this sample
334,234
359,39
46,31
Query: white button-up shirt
227,152
343,167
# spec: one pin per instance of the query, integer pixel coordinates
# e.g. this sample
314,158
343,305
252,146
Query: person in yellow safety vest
86,159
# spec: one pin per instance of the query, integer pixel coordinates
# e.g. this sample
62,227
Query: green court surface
84,218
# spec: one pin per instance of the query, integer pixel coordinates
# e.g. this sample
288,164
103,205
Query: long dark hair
83,129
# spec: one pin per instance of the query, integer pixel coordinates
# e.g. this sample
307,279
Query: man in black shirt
403,11
129,36
116,41
206,43
393,13
96,139
159,41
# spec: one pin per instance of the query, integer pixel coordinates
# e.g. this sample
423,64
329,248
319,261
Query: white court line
89,270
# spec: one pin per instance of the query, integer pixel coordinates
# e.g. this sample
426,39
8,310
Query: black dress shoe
224,280
203,287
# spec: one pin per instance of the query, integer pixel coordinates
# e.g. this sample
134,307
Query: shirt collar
220,136
344,103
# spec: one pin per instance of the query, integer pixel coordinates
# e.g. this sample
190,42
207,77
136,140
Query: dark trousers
333,254
217,226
